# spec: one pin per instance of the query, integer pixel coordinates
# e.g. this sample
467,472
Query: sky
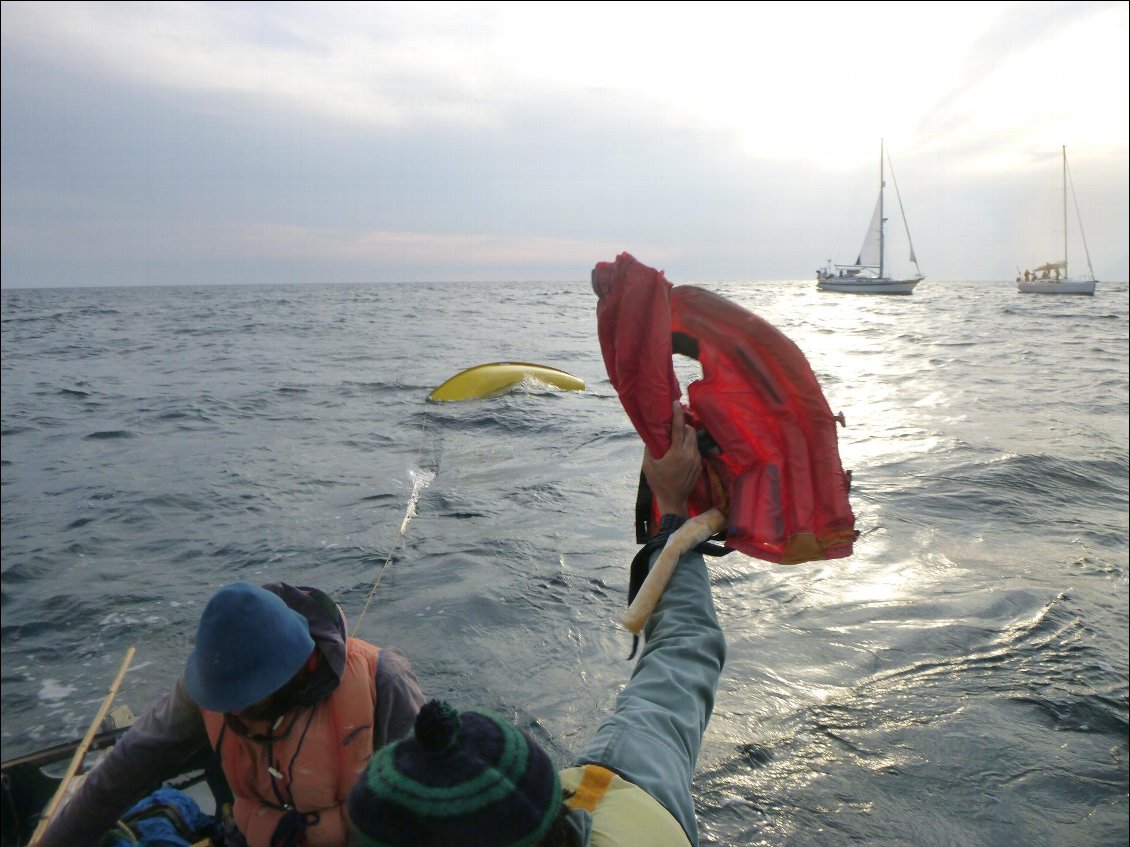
228,143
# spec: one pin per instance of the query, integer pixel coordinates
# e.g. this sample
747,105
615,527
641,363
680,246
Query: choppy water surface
961,679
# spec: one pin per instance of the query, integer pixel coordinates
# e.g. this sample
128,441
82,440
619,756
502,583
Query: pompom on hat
467,779
249,644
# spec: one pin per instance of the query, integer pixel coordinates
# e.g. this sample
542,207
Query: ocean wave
961,678
110,435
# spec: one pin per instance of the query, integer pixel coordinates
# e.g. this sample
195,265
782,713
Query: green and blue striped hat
469,779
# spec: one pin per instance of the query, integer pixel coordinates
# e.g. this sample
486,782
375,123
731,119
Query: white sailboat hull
877,285
868,274
1054,286
1042,281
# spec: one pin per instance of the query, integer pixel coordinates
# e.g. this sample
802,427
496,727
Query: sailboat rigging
1052,277
869,273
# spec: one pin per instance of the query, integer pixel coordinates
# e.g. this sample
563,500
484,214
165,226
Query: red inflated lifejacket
776,472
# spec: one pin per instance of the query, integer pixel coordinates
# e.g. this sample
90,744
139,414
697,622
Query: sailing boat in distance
869,273
1052,277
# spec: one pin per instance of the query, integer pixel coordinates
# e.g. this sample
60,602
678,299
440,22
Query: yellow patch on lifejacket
593,785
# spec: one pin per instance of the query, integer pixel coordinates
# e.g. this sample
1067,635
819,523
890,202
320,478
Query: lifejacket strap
644,516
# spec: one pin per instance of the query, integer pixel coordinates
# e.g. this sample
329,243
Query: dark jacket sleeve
156,747
399,698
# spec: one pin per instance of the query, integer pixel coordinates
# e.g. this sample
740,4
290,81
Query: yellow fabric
593,785
624,815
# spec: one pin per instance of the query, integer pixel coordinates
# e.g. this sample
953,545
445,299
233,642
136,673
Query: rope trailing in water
421,479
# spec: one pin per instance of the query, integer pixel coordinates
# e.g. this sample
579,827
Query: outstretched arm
674,476
655,734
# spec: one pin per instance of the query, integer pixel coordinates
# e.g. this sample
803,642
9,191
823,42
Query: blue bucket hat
249,644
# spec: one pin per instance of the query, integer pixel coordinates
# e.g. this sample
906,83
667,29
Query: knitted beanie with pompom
466,779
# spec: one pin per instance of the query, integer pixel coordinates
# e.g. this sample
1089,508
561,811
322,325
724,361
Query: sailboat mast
882,220
1065,274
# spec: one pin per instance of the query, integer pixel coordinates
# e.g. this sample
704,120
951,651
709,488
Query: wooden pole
80,753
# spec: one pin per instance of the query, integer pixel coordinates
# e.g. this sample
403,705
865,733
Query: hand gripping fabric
771,460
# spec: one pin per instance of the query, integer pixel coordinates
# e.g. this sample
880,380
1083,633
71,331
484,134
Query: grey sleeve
399,698
155,748
655,734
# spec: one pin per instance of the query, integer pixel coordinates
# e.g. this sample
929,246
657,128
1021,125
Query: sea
960,679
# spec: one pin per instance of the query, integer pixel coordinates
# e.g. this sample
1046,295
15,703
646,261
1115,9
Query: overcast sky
171,143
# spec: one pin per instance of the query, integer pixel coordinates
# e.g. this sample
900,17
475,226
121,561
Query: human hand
672,478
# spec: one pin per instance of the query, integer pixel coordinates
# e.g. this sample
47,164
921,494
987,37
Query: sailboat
1052,277
868,275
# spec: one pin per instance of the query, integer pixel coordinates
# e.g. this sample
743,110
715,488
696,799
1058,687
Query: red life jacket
776,472
313,766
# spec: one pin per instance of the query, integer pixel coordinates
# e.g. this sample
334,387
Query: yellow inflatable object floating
498,377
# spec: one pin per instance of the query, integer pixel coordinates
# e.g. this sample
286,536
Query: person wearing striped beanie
472,779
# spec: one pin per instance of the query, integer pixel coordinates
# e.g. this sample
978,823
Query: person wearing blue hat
474,780
290,704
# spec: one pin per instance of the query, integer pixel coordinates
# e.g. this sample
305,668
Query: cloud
774,74
731,140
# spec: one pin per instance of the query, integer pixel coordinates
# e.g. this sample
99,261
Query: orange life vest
312,767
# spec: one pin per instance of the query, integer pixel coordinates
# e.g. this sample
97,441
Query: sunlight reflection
881,587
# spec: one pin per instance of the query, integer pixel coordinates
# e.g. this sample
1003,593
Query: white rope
421,479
